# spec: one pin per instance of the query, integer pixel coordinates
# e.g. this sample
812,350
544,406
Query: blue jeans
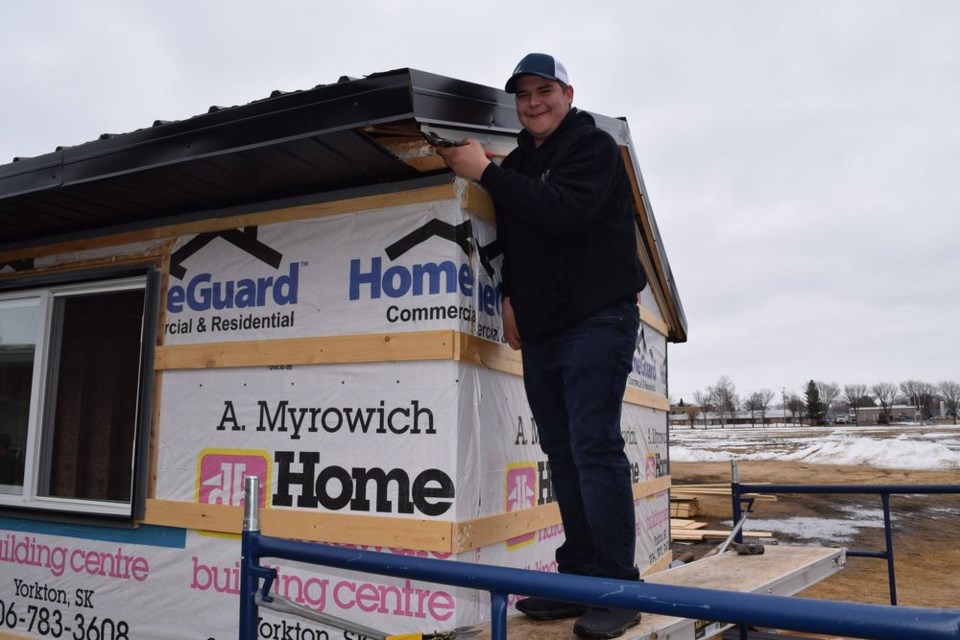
574,383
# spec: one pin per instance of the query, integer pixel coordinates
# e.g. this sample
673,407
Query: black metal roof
285,145
288,145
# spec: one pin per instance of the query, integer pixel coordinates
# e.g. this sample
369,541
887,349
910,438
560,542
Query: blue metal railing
872,622
883,490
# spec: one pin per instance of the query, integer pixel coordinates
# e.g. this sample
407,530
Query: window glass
93,386
18,346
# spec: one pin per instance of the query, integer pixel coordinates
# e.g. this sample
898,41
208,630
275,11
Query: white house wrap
347,350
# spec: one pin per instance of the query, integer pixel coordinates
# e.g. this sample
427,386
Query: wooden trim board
649,256
374,347
476,201
481,532
655,323
358,204
373,531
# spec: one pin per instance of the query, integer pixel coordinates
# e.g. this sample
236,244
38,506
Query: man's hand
467,160
510,331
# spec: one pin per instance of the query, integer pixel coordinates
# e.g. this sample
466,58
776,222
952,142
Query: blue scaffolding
856,620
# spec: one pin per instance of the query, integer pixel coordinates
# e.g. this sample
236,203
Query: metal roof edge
675,311
477,106
351,104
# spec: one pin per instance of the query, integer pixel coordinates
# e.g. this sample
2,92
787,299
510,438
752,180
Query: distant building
680,417
895,413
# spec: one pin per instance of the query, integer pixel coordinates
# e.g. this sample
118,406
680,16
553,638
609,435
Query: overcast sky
802,157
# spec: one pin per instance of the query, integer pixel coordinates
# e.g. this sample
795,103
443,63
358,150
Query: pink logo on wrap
650,469
220,474
521,493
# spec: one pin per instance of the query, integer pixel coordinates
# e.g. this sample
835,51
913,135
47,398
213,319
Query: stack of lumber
683,530
719,489
685,506
686,502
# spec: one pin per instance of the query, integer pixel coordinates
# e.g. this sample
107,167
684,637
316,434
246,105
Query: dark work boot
603,622
546,609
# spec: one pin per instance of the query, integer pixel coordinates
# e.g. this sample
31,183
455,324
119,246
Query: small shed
294,288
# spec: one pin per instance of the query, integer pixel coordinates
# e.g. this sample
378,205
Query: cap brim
511,86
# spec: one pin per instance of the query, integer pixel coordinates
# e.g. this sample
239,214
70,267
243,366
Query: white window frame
40,419
13,302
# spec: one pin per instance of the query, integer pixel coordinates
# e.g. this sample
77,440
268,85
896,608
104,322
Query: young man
571,276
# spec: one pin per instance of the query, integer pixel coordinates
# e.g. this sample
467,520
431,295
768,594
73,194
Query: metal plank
781,570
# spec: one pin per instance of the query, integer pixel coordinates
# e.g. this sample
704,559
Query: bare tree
753,404
911,390
714,404
796,406
885,393
853,394
765,397
724,395
692,413
920,395
950,390
705,402
829,392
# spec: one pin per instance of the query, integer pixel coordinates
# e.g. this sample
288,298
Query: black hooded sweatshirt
565,222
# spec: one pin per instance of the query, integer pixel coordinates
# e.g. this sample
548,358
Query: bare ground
926,529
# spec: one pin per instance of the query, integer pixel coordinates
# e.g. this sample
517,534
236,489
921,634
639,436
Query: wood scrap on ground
698,535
